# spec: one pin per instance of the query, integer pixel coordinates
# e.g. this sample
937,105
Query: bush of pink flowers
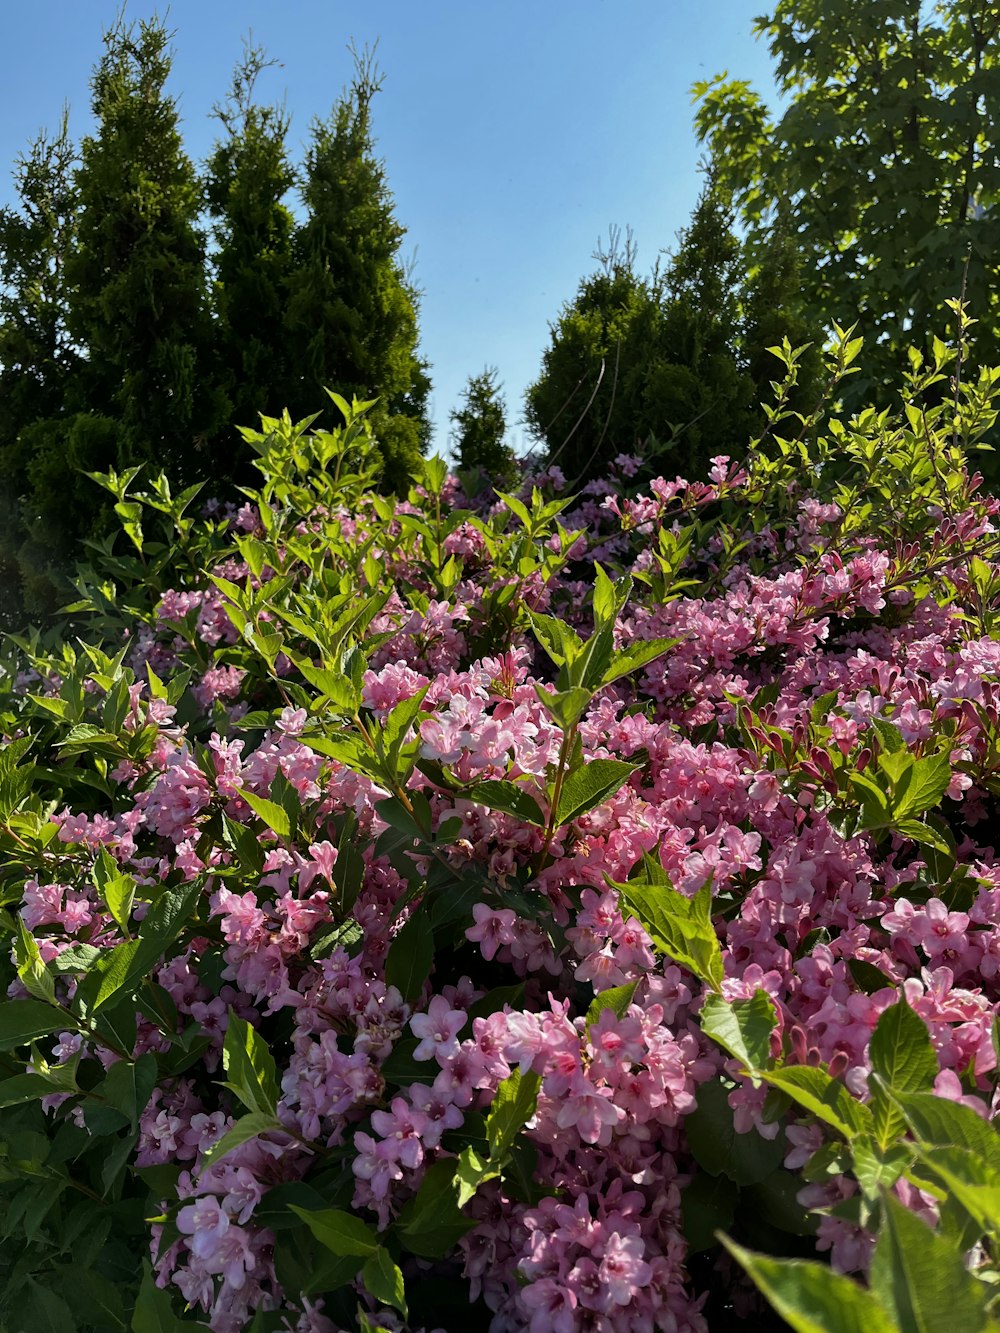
507,912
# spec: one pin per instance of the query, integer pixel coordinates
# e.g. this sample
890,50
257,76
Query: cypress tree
700,381
480,423
351,322
37,357
578,407
137,283
247,179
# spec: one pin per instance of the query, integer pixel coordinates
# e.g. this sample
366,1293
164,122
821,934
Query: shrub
416,920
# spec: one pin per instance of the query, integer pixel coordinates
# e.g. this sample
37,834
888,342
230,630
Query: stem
557,786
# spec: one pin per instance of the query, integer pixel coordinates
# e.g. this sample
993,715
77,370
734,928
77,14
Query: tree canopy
883,168
673,365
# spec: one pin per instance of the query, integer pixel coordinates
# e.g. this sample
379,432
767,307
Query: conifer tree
578,407
37,358
700,382
481,423
351,322
136,276
247,178
656,364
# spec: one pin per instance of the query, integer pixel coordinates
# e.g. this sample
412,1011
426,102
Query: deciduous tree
883,165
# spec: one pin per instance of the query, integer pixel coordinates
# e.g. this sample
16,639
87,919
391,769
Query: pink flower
206,1223
623,1269
437,1030
492,929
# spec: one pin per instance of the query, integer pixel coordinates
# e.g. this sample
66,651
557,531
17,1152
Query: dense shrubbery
432,915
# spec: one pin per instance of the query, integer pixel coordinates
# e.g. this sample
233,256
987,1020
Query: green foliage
881,169
673,366
135,277
123,342
351,317
37,357
247,179
480,424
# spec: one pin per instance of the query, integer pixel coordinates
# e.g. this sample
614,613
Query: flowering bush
443,914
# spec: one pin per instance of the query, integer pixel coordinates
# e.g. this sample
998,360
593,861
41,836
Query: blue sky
513,134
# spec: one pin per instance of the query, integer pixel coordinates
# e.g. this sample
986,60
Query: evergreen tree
772,311
247,179
37,358
481,423
351,322
137,284
578,408
661,364
699,382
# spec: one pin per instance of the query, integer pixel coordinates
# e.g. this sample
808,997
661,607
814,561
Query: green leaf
878,1166
250,1066
616,998
708,1205
244,1129
333,684
970,1181
115,970
88,1290
384,1281
117,889
890,736
938,1120
165,921
824,1097
472,1170
589,786
609,597
128,1086
627,660
921,1278
22,1021
272,814
510,799
924,834
903,1060
400,1068
343,1234
812,1298
873,799
929,779
565,707
431,1223
119,894
867,977
153,1309
42,1311
513,1106
718,1149
31,971
23,1088
324,942
411,956
395,730
680,927
741,1027
560,641
244,842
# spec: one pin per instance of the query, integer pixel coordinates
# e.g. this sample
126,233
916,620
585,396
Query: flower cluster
374,861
